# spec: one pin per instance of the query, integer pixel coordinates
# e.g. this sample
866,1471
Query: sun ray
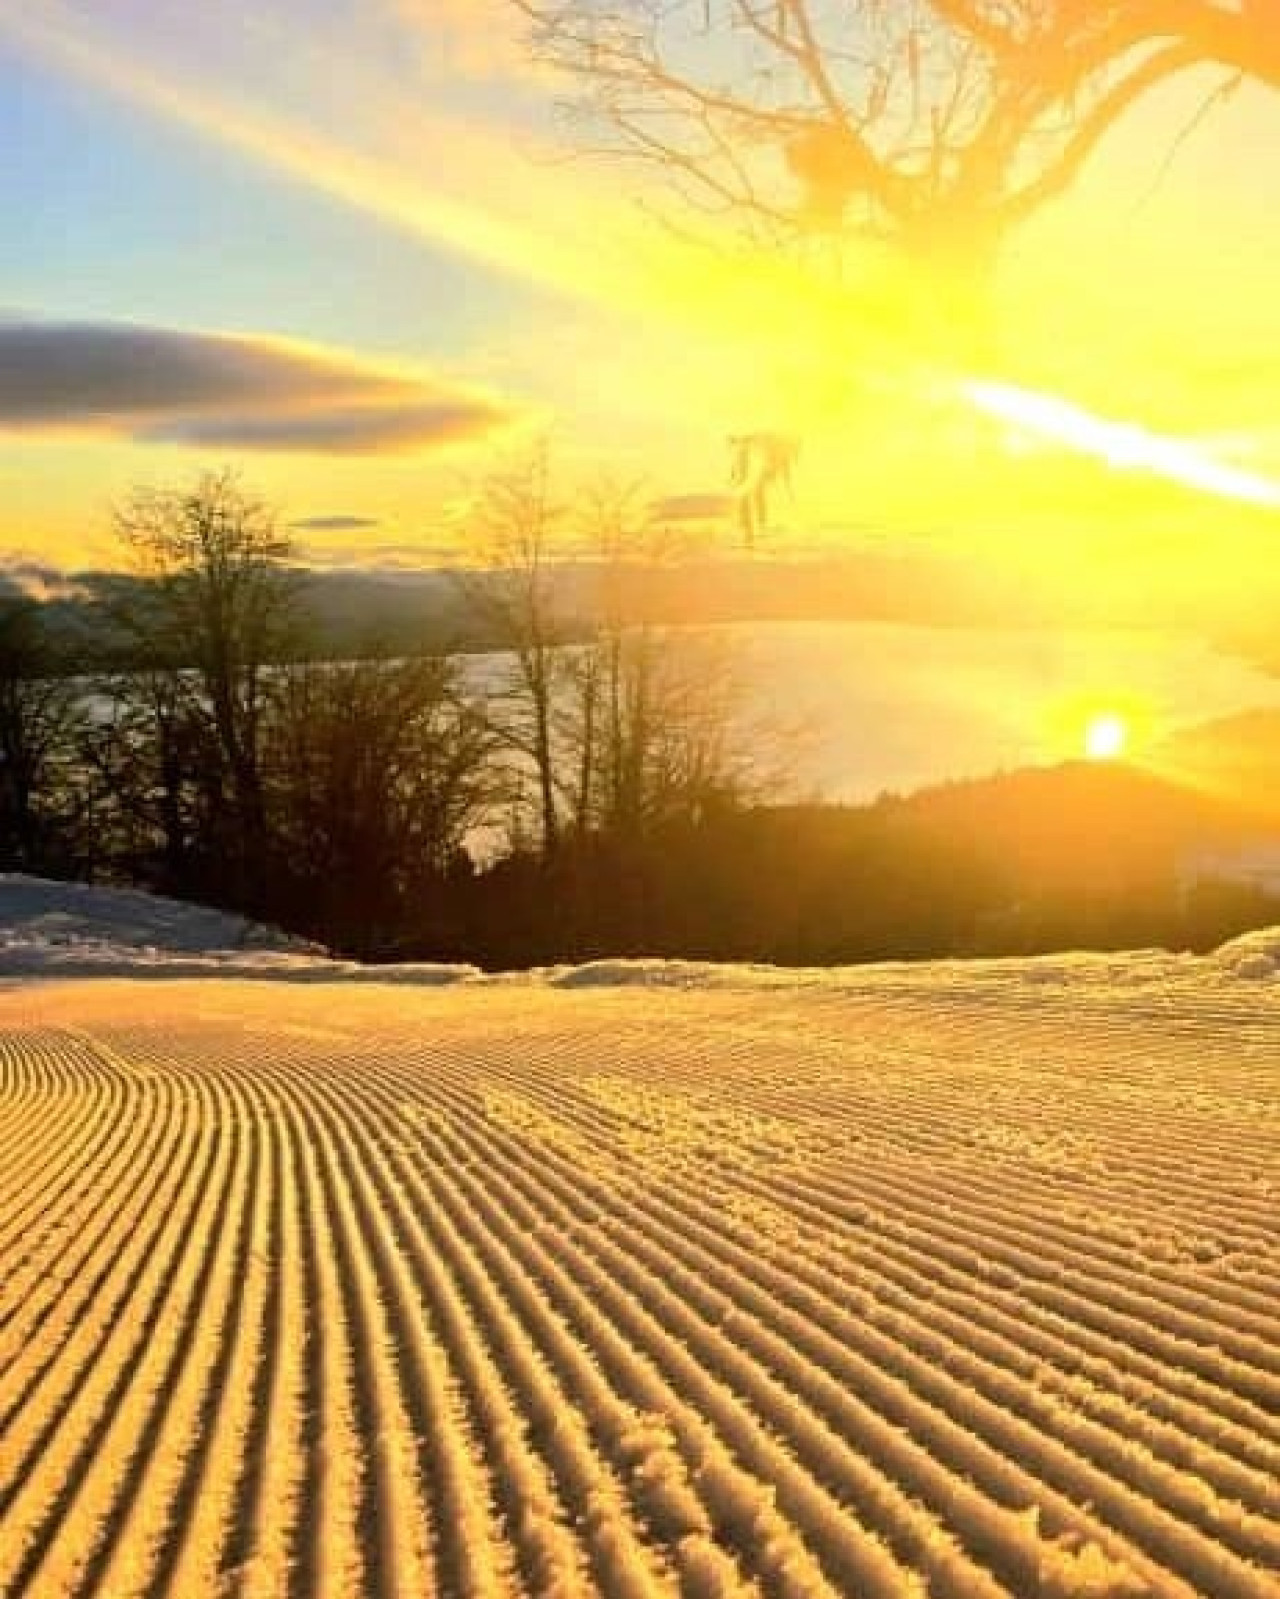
567,229
304,153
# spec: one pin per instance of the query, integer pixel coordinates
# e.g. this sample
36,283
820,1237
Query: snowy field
631,1280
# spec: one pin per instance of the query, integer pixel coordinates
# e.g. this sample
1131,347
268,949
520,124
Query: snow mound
1253,957
667,974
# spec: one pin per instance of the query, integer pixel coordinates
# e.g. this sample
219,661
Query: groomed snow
631,1280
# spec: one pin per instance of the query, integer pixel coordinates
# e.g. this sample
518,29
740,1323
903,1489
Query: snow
54,929
39,911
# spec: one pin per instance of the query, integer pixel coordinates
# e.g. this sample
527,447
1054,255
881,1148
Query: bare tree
656,725
934,126
619,720
519,532
214,610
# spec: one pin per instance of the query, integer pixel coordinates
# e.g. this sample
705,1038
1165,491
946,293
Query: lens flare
1126,446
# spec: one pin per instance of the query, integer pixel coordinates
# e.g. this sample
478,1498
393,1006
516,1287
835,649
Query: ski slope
641,1279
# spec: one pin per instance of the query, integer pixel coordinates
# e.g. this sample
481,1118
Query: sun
1106,736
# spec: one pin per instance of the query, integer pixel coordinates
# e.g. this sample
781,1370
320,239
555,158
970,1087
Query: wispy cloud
38,580
172,386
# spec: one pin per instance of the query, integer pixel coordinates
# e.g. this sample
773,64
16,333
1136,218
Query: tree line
200,747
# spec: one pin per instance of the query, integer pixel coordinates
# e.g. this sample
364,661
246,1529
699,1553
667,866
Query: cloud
172,386
336,523
59,373
360,430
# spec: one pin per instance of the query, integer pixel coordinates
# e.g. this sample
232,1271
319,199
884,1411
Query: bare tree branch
1093,127
940,124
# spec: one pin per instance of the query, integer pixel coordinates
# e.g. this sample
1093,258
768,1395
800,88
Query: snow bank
50,929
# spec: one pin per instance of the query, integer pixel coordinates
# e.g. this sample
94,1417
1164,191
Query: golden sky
357,216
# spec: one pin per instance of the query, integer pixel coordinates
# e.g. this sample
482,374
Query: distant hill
1069,857
351,612
407,610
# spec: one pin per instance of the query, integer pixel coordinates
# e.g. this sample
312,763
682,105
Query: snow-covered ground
635,1280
